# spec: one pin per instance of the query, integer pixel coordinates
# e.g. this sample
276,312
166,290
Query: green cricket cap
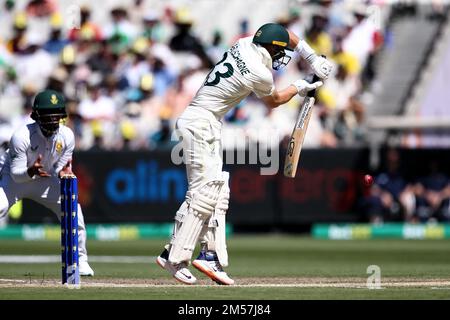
49,99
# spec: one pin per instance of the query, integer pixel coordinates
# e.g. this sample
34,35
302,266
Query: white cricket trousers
45,191
202,151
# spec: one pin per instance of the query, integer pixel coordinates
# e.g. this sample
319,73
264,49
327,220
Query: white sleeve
18,154
262,84
67,153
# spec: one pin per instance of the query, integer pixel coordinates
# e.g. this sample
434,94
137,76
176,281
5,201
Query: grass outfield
264,267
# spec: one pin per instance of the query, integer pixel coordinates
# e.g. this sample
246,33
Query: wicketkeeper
245,68
39,154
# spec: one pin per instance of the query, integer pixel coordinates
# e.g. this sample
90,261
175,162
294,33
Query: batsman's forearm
301,47
305,51
293,39
279,98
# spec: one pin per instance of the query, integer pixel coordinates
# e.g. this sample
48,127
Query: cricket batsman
245,68
39,154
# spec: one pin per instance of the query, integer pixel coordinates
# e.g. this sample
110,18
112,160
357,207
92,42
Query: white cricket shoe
179,271
208,263
161,260
85,269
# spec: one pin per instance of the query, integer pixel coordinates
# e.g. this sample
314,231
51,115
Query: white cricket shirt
244,68
28,142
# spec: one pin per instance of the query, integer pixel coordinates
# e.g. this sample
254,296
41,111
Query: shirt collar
38,129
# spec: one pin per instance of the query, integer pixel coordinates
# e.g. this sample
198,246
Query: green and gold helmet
275,38
49,107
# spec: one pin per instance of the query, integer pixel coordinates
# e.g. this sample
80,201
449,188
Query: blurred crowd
128,78
395,197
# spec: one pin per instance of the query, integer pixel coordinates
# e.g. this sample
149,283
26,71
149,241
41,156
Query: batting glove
303,86
321,66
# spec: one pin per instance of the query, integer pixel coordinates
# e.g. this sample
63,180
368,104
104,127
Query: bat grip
312,93
315,78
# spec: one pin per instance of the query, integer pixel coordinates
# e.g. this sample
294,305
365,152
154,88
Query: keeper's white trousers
45,191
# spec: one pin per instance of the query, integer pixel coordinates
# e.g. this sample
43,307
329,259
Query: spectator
41,8
5,136
348,60
133,133
217,48
349,127
142,114
97,132
345,111
57,79
390,194
317,37
97,105
34,65
438,10
17,44
163,76
179,95
10,92
151,104
243,30
185,41
55,43
138,66
153,28
363,41
9,5
87,30
28,93
111,88
139,44
320,134
103,60
433,196
74,121
295,22
162,138
120,26
6,58
68,58
128,132
98,108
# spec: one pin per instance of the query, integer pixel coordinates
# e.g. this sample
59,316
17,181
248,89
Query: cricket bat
298,134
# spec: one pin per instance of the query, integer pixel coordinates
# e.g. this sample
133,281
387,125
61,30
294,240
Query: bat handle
315,78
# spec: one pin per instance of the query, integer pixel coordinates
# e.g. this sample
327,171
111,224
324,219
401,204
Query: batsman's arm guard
201,207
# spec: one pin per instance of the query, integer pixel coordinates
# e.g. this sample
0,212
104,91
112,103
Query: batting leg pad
201,207
219,215
69,230
214,233
179,218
